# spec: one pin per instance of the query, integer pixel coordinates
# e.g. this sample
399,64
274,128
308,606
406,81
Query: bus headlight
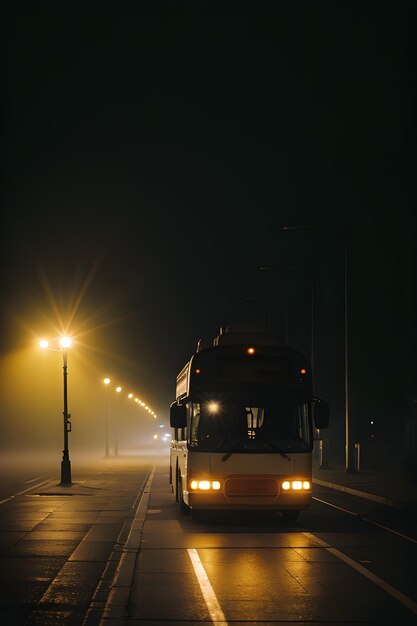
205,485
296,485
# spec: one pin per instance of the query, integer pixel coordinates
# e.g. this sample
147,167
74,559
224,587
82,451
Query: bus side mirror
321,413
178,415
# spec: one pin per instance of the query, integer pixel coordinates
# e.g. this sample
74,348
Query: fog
31,419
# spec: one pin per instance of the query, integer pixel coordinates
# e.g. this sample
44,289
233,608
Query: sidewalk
60,546
387,489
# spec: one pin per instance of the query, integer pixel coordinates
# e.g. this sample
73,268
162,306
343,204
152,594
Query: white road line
209,596
367,520
391,530
334,506
392,591
44,482
32,480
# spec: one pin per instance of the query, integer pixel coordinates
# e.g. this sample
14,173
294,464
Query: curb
115,608
366,495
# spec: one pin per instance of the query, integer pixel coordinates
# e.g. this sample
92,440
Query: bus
243,422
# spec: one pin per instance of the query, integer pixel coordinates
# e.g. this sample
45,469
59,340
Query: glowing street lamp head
106,381
130,395
118,389
65,342
43,344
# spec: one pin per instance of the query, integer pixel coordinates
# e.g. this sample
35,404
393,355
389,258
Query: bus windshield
241,423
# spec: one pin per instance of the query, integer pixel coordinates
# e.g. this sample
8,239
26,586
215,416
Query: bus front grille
239,487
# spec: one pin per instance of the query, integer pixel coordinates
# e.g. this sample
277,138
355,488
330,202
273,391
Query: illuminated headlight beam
205,485
296,485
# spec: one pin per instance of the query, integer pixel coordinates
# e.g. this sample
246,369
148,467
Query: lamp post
310,274
116,445
64,344
107,381
349,461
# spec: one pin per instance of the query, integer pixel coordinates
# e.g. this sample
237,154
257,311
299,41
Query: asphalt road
117,551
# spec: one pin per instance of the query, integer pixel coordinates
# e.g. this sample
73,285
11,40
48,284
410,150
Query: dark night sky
152,153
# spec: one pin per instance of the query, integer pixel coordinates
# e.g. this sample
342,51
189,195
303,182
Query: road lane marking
366,519
32,480
392,591
44,482
209,596
391,530
334,506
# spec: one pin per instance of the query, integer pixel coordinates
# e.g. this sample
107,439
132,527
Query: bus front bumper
252,494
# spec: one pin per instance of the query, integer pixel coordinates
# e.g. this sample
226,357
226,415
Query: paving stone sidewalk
59,545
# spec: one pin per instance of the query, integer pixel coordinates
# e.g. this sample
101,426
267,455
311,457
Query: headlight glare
296,485
205,485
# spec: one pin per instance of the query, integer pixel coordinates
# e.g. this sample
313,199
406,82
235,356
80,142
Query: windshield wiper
281,452
238,443
221,444
233,449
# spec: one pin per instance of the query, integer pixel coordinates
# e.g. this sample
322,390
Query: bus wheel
290,516
184,508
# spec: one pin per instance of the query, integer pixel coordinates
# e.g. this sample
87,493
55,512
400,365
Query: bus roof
240,358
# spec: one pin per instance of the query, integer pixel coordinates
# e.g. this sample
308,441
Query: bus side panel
178,465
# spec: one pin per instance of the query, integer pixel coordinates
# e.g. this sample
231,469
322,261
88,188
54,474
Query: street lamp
116,445
107,382
140,403
310,274
64,344
349,465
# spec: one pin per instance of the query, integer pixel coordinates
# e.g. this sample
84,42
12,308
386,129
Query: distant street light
107,382
349,459
143,404
64,343
116,445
